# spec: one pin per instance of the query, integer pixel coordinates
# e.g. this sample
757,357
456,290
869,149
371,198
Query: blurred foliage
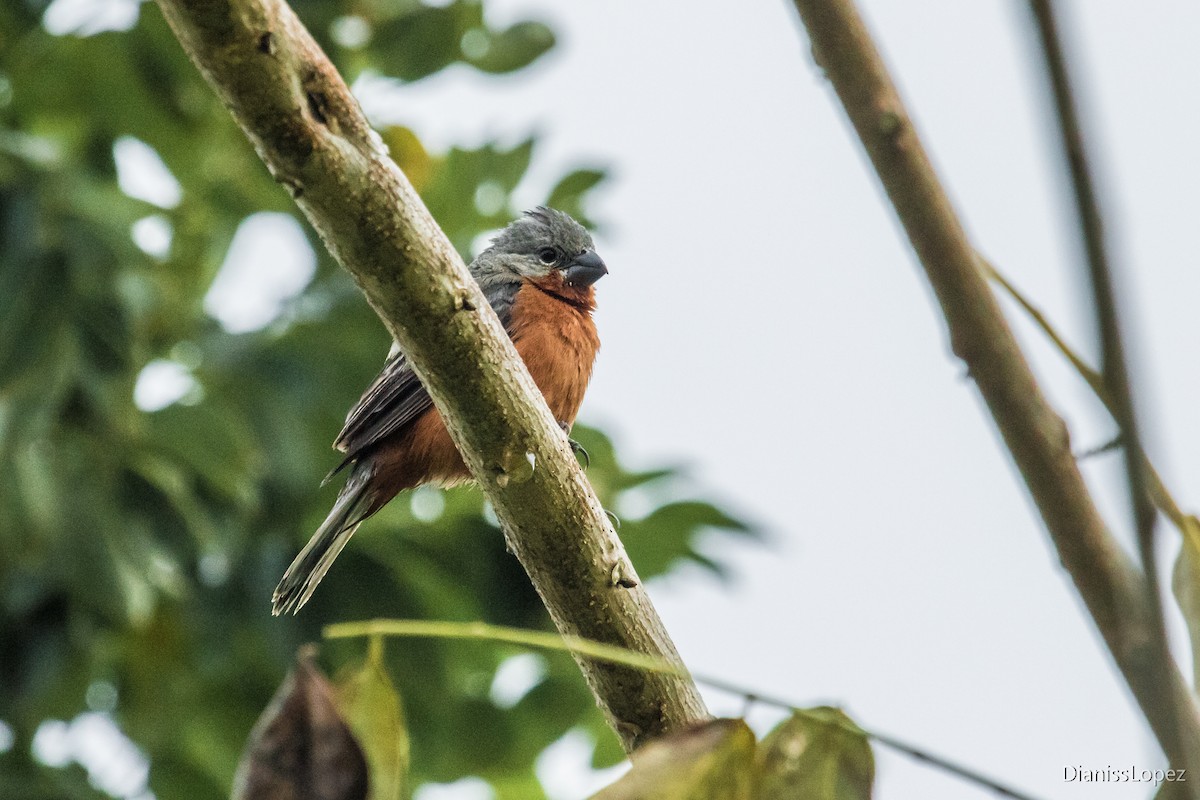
140,548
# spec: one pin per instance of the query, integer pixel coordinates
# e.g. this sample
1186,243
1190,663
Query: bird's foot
580,452
576,447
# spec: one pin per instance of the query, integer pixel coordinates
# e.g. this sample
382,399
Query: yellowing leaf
1186,585
371,705
712,761
815,755
410,155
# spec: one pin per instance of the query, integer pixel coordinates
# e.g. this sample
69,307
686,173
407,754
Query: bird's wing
396,397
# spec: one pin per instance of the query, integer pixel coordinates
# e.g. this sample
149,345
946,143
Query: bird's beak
585,269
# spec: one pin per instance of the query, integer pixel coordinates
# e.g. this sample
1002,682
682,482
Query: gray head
544,246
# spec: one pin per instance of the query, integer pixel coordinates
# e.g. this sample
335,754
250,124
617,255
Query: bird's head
545,247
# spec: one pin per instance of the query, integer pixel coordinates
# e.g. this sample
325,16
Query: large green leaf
713,761
371,705
817,754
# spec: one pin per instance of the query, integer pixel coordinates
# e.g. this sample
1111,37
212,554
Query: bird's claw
580,452
576,447
616,521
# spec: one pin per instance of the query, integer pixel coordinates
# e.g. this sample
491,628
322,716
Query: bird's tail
352,507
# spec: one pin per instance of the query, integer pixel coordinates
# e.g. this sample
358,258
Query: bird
538,275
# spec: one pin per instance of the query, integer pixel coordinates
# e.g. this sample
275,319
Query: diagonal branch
1113,589
310,132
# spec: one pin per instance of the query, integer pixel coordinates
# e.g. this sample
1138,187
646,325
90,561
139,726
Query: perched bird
537,275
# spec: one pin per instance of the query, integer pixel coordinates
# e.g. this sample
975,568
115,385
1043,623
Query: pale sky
766,324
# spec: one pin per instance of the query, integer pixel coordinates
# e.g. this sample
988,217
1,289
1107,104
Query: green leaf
518,787
371,705
666,535
514,48
418,43
817,754
410,155
712,761
608,750
696,513
470,191
568,194
426,39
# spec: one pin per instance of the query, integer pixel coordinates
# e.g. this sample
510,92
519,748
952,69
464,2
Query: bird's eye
548,255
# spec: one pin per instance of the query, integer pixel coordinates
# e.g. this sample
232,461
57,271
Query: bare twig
1185,523
1113,589
1114,368
310,132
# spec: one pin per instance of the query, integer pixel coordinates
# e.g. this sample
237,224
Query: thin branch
1187,524
1085,370
308,129
1114,366
1112,588
1163,499
899,745
480,631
